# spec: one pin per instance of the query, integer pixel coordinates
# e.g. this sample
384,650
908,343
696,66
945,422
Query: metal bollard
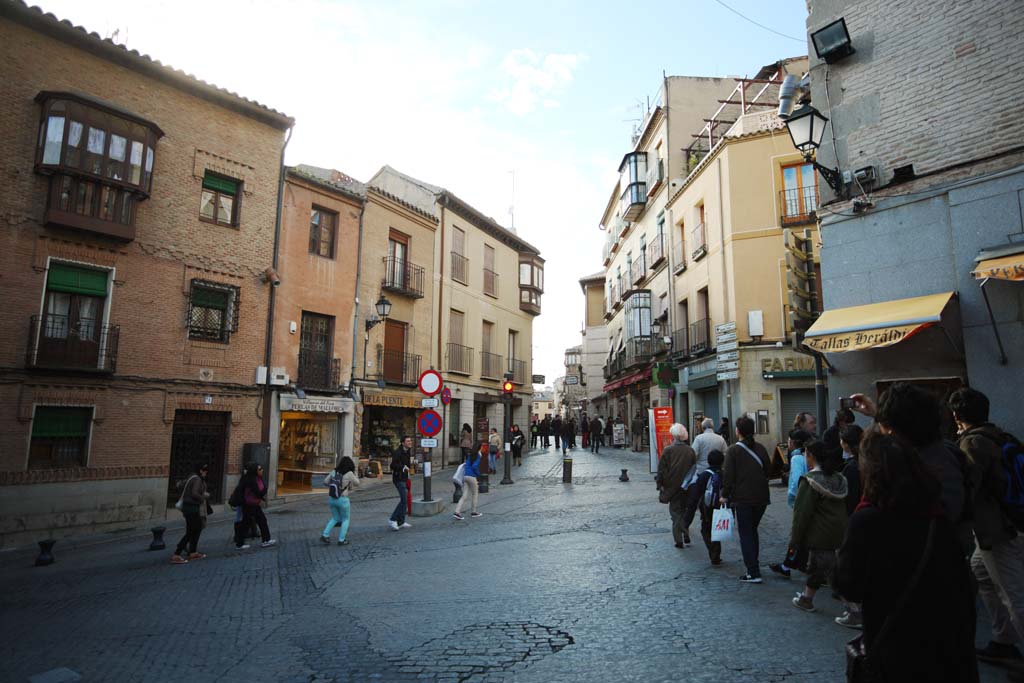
45,553
624,476
566,470
158,538
484,482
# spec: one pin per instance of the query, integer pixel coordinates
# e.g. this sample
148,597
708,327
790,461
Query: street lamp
806,127
656,329
383,310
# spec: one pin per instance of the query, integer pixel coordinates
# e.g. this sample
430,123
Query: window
460,264
800,193
71,332
220,200
638,315
490,275
100,163
398,260
60,437
513,345
317,368
212,311
323,226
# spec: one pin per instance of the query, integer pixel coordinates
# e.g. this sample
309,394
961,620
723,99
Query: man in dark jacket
595,431
556,431
584,430
745,489
676,468
998,559
636,428
401,462
545,431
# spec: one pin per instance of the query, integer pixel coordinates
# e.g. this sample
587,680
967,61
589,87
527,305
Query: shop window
323,227
60,437
212,311
220,200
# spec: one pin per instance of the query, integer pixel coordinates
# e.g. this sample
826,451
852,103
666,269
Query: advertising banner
659,421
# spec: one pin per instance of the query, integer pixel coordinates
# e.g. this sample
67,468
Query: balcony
460,359
56,345
518,370
699,336
799,206
678,258
402,277
655,177
633,201
529,301
698,241
491,366
398,367
680,343
638,270
490,283
656,251
639,351
619,228
460,268
318,371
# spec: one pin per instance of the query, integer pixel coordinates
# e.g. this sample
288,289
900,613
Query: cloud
533,79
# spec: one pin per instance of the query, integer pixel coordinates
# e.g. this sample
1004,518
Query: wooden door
394,351
198,437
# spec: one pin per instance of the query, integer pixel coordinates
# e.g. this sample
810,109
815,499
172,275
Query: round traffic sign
430,382
446,396
429,423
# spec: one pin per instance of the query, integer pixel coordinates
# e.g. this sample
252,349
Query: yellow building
487,291
728,323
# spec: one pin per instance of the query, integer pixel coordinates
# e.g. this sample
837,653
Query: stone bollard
624,476
566,470
158,538
45,552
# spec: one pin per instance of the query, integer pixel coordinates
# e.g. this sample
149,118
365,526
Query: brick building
921,241
139,209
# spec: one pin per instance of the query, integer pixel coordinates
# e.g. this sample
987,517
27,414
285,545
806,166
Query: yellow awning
1001,268
875,325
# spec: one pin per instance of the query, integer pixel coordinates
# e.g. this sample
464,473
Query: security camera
270,276
794,90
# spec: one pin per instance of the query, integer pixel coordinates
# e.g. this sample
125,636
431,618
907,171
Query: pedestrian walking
849,440
584,430
708,440
676,473
745,489
466,441
534,434
636,428
470,487
518,439
568,433
998,559
545,431
401,463
903,562
556,431
194,505
572,432
595,439
709,486
819,519
724,430
493,450
340,483
797,462
253,495
915,415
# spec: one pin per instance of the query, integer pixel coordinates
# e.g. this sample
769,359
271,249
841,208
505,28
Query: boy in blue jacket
709,488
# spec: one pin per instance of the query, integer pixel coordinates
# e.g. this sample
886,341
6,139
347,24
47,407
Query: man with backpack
998,561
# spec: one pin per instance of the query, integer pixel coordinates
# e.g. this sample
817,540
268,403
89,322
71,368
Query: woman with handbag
339,483
469,482
902,560
194,506
254,496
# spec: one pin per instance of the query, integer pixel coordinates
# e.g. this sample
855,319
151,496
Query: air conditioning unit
278,376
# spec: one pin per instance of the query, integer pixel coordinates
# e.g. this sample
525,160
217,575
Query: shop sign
787,367
537,379
313,404
391,400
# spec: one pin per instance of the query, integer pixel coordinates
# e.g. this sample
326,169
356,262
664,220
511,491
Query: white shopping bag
723,523
459,474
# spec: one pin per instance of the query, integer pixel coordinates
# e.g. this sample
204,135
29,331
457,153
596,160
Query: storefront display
387,418
309,441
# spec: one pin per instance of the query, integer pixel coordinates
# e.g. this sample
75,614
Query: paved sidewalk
570,583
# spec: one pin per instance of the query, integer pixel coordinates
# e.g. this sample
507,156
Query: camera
846,404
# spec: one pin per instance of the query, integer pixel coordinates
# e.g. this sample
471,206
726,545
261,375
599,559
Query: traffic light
800,282
507,387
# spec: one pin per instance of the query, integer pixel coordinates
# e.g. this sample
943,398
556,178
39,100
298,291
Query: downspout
269,347
668,213
440,288
355,308
725,278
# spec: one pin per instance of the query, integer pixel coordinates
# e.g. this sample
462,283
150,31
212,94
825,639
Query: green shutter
61,422
210,298
212,182
65,278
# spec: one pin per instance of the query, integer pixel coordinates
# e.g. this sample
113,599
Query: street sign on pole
729,374
446,396
429,423
430,382
428,443
728,365
428,402
725,328
572,379
727,356
727,346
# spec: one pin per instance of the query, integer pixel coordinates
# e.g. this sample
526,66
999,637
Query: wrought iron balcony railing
397,367
490,282
698,242
491,366
460,268
799,206
656,251
318,371
699,336
518,369
681,342
57,342
460,359
402,277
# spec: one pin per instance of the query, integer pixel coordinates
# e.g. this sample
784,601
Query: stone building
922,241
139,209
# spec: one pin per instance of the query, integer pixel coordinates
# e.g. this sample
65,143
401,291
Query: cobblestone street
552,583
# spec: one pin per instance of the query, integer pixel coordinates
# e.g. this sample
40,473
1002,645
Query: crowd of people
907,527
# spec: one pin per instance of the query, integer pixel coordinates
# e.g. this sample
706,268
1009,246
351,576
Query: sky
467,94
